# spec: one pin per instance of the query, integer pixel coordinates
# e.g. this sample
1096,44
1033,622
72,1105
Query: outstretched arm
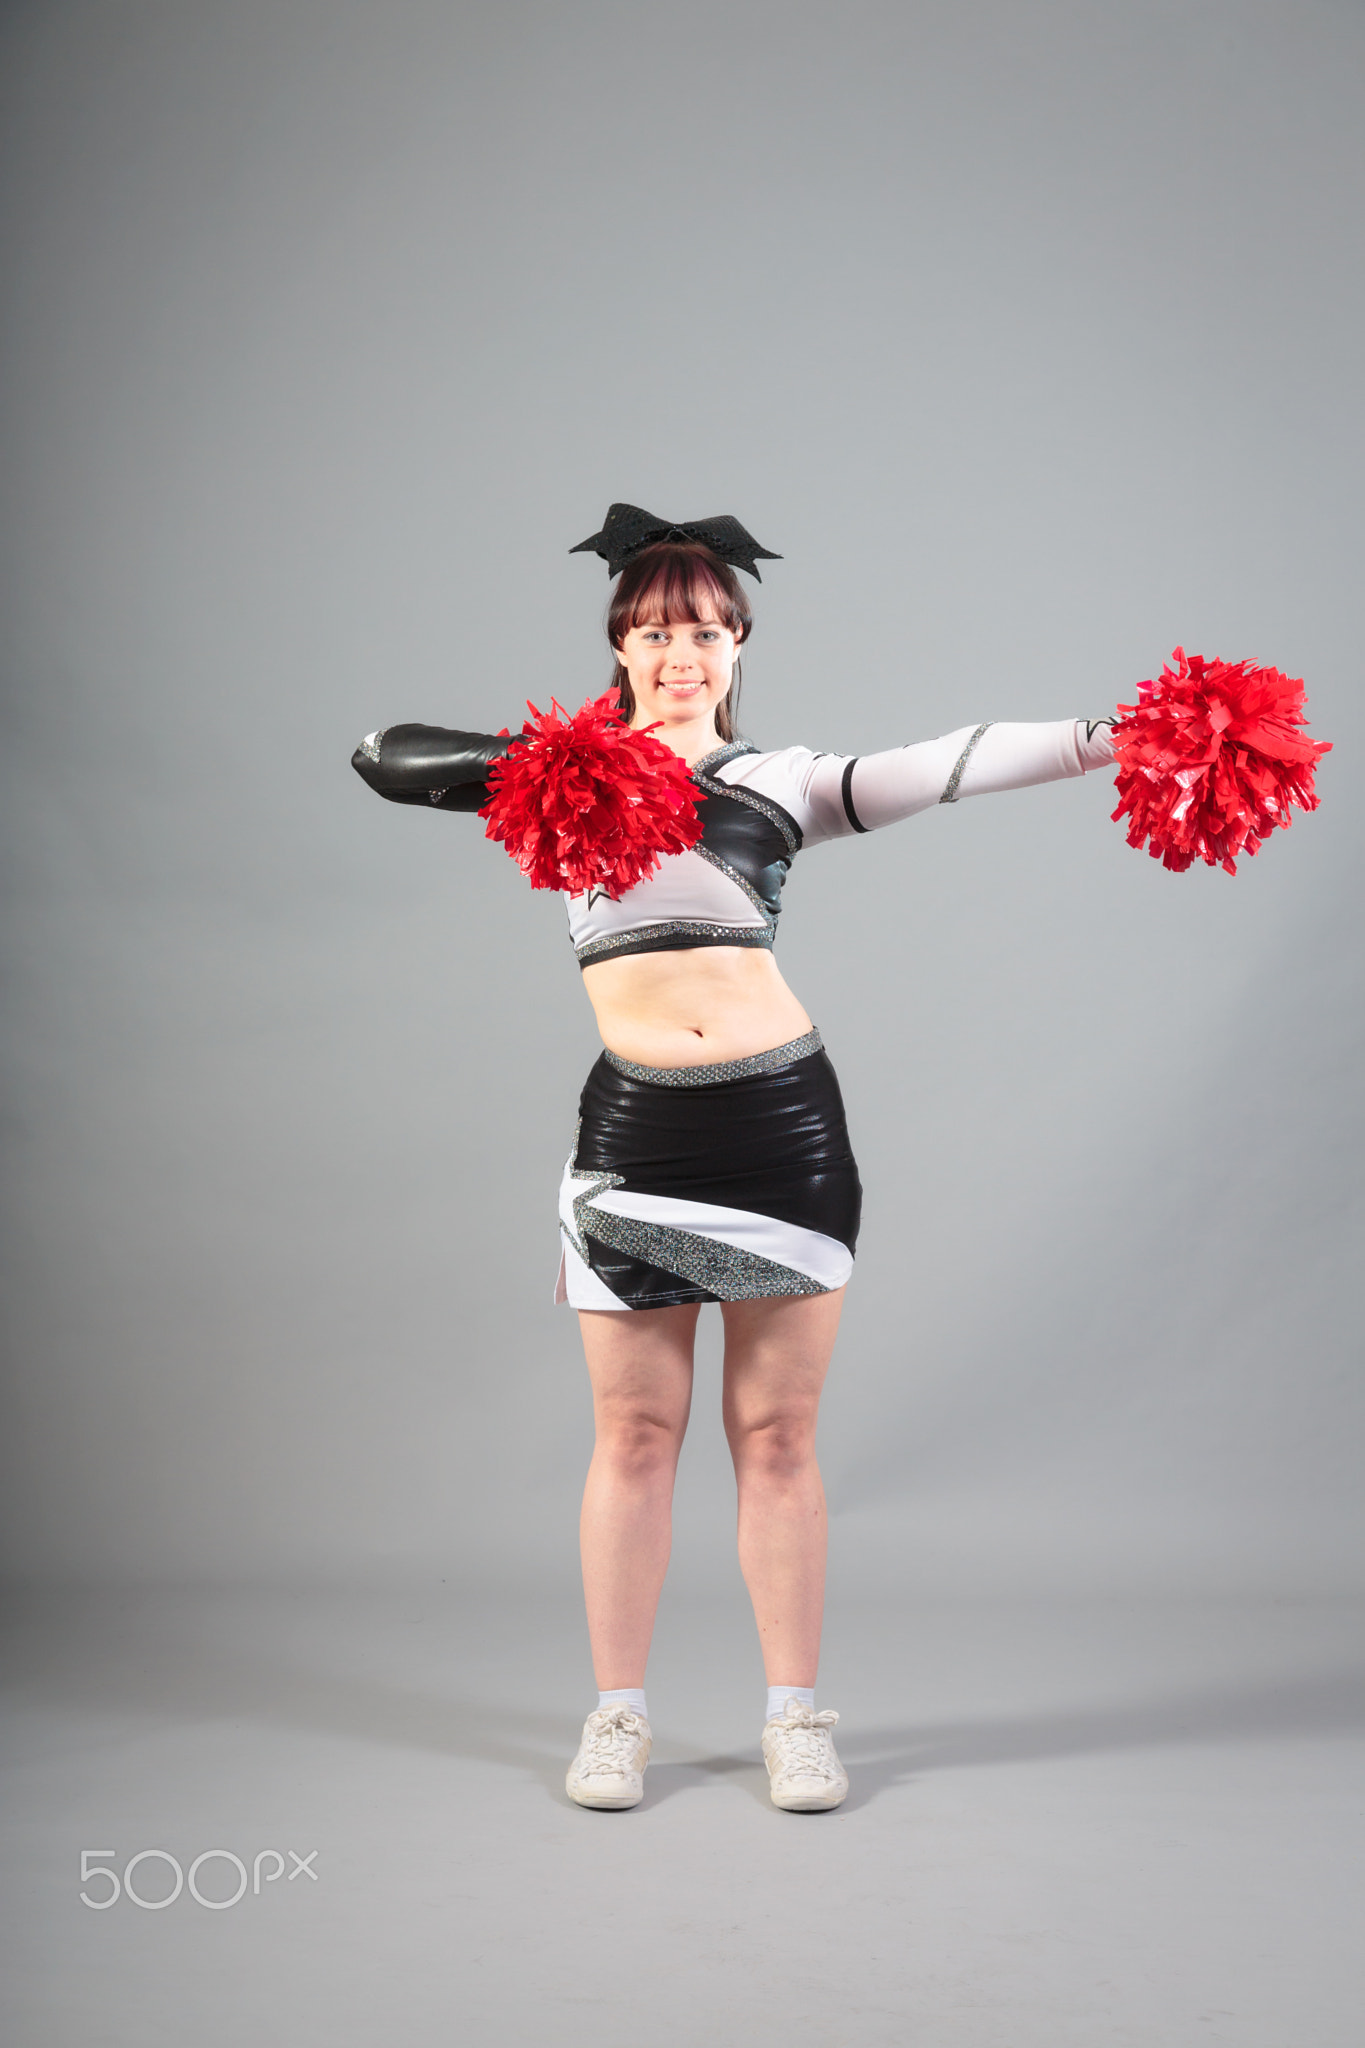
846,794
975,761
428,765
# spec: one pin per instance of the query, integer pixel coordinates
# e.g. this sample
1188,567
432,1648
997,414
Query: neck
692,738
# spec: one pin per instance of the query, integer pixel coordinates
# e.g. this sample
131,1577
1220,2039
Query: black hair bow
626,529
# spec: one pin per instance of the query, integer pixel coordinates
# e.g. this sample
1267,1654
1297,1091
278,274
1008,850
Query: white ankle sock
632,1696
778,1695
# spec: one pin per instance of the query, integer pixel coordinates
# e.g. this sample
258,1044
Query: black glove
426,764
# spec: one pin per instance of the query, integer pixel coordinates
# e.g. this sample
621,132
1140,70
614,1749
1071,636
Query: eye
709,634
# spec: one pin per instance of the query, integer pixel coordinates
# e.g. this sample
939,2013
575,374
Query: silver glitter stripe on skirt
722,1269
949,795
676,928
722,1070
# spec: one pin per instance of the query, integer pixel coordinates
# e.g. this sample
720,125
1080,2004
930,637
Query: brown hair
677,582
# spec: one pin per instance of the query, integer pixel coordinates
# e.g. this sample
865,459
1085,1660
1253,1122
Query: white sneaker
609,1769
798,1748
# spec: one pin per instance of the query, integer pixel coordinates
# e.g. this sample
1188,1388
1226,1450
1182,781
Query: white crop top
761,809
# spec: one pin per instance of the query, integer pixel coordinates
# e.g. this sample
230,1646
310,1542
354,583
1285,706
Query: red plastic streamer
587,802
1210,758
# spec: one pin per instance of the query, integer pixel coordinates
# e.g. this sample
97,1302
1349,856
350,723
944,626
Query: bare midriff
691,1008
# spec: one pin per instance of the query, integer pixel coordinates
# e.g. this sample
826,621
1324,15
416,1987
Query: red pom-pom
1210,758
588,802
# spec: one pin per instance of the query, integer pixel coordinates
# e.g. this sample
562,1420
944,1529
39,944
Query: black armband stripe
846,791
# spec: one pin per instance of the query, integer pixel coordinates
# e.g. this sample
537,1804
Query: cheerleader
711,1162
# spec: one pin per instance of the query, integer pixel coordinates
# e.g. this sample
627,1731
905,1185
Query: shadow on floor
1323,1703
119,1675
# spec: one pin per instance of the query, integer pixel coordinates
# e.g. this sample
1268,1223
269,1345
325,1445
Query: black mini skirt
729,1182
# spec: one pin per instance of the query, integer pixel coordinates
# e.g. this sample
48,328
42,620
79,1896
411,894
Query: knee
638,1444
774,1447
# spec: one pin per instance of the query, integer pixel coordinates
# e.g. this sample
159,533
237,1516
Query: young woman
712,1161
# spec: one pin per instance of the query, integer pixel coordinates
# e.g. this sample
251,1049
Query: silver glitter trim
675,928
770,810
371,744
720,1070
949,795
722,1269
719,755
734,875
597,1184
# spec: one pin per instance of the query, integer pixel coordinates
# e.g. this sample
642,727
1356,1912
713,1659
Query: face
679,673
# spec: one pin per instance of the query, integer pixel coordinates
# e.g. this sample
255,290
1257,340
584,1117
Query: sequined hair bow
627,529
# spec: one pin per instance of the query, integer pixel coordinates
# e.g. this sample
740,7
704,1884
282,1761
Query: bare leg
776,1355
640,1364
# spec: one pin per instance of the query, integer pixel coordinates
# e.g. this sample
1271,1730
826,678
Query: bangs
682,590
677,584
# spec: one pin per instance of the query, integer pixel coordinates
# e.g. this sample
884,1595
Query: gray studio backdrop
1030,335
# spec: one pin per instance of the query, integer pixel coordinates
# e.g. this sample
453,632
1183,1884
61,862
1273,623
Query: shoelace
610,1739
807,1742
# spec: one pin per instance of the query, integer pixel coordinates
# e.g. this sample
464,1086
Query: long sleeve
429,765
834,795
974,761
